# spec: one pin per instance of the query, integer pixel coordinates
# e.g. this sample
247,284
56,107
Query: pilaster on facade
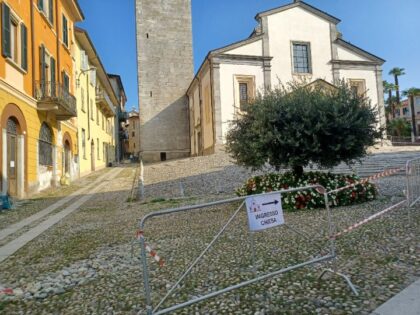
218,133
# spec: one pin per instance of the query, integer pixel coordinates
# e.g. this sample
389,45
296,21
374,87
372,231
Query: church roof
302,5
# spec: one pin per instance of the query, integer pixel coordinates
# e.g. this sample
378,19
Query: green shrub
310,199
295,125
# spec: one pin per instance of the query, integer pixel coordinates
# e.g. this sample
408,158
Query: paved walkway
86,193
407,302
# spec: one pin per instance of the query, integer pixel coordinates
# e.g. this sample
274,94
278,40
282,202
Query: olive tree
294,125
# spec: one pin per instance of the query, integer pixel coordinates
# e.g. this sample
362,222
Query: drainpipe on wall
88,104
32,45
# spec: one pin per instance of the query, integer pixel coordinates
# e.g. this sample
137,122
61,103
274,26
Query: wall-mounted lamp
82,72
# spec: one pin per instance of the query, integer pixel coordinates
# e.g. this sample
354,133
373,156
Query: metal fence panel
279,248
413,181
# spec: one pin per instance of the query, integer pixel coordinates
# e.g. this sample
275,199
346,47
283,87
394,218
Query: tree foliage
294,125
399,127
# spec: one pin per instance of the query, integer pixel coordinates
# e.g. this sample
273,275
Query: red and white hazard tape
153,253
372,217
365,180
6,291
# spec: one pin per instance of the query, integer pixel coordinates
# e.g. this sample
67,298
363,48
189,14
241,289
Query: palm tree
388,88
397,72
410,93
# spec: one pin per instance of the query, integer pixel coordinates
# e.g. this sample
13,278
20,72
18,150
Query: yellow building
133,133
96,104
37,88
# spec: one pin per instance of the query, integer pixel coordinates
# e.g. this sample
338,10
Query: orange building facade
38,141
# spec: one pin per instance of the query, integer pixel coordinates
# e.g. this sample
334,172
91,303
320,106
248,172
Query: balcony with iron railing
122,116
104,102
55,97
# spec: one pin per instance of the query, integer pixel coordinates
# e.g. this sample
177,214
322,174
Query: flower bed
310,199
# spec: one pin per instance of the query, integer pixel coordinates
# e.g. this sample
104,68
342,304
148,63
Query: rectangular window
358,86
65,31
246,91
301,58
405,111
103,122
14,38
84,143
97,115
66,82
133,134
46,7
97,148
243,95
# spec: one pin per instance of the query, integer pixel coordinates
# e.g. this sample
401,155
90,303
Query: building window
246,91
84,143
405,111
301,58
14,38
103,122
66,82
46,7
45,146
104,150
65,34
97,115
243,95
358,87
97,148
133,134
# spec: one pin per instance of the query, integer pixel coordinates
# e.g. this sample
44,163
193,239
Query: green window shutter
52,66
53,73
51,9
24,45
5,34
42,69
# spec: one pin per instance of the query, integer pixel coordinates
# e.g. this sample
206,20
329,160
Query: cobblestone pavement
87,264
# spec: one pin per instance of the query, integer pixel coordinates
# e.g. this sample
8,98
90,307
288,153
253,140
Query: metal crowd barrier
413,181
322,226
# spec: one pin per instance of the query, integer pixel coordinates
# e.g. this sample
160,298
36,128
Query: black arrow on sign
271,203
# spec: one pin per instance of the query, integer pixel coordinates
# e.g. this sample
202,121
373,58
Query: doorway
92,155
12,156
67,157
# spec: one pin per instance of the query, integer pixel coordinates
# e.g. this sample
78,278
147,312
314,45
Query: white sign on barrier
264,212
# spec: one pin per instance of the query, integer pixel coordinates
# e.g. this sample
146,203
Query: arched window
12,126
45,146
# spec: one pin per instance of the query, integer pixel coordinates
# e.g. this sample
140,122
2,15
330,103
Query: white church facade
290,43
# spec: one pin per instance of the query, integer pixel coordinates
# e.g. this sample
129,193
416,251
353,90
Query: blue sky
386,28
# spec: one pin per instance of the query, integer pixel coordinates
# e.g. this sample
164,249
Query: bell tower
165,70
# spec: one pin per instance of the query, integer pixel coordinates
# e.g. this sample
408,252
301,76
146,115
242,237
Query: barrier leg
346,278
149,307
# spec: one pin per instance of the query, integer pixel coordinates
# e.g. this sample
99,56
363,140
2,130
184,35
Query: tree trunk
391,103
397,87
298,170
413,116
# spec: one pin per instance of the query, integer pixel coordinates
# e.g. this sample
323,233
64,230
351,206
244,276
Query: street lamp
82,72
